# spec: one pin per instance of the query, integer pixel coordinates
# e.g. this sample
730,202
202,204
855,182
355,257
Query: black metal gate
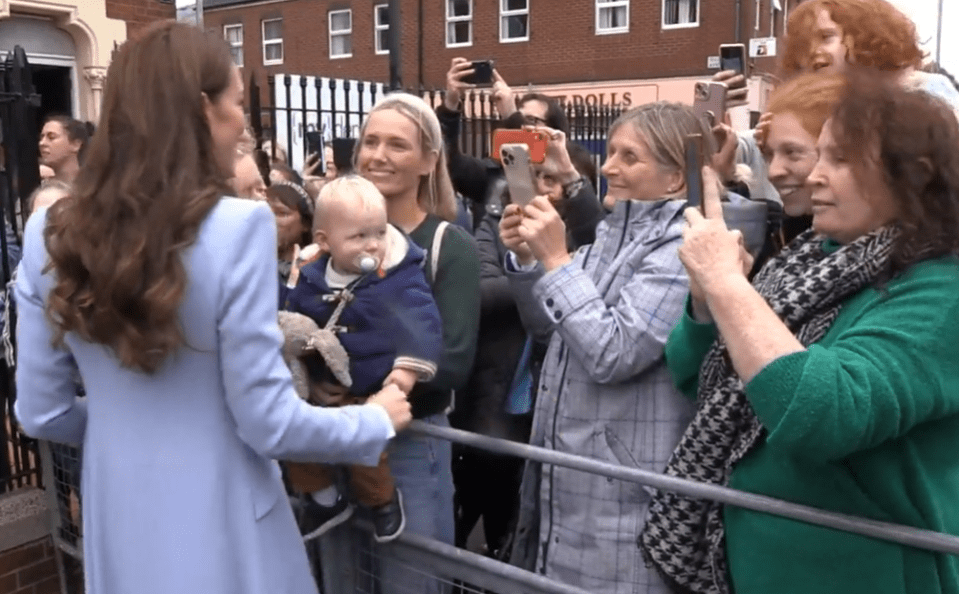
19,176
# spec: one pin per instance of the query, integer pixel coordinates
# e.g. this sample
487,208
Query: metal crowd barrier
349,557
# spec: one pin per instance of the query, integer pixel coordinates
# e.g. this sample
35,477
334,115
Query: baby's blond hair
351,190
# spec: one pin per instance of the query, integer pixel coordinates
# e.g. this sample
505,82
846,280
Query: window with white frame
341,33
612,16
513,20
680,13
381,28
272,42
459,23
234,36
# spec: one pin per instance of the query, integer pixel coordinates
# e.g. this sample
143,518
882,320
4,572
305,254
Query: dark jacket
389,318
480,406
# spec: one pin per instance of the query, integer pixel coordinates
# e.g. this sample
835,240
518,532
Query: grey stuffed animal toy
301,337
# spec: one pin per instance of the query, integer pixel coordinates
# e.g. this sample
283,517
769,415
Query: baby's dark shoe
389,520
318,519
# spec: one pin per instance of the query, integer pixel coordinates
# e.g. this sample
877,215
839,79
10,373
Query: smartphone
482,73
535,143
693,149
709,102
314,146
732,56
519,173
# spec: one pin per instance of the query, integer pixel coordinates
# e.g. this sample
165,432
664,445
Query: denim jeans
421,466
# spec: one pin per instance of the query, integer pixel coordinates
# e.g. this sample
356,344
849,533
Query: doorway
54,84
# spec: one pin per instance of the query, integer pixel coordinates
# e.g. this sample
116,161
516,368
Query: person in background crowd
313,185
247,181
62,143
275,152
582,161
49,192
188,397
293,209
280,172
829,36
796,112
830,381
343,150
401,151
499,397
480,181
604,387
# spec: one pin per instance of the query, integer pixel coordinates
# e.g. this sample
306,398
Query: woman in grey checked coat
604,390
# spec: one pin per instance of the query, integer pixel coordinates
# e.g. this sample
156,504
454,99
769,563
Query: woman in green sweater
833,380
401,151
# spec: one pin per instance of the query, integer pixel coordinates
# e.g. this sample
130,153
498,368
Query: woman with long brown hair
152,282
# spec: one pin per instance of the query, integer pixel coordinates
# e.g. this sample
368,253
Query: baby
368,289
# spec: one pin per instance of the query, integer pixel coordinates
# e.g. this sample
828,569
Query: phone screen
693,146
732,58
482,73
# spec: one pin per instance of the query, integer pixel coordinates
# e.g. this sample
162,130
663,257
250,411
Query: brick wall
29,569
139,13
562,48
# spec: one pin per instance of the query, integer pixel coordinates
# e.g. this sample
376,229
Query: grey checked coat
604,393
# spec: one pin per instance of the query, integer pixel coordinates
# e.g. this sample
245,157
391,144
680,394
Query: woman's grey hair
436,195
664,126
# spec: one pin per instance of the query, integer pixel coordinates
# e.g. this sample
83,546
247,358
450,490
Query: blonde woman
401,152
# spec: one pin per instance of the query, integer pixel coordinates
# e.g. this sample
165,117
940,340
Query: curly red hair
875,32
812,98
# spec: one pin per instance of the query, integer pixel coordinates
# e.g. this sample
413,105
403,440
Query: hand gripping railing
905,535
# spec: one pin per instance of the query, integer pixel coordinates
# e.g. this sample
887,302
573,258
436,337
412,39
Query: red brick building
140,13
70,44
551,43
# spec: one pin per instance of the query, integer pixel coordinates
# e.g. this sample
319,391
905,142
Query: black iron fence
335,108
19,176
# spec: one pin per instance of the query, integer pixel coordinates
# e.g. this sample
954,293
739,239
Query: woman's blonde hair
664,126
436,195
47,185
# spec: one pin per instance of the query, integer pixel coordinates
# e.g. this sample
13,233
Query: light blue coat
179,490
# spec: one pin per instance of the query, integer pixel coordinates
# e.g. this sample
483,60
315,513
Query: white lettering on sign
712,62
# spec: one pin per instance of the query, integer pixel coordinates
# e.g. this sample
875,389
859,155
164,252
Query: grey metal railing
905,535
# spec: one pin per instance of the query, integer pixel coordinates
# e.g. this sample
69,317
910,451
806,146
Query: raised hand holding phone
455,85
710,250
544,232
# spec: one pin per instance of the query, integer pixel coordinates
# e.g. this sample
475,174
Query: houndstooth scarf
806,287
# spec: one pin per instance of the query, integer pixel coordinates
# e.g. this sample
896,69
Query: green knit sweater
457,293
864,422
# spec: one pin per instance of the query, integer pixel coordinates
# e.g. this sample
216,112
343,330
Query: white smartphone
519,173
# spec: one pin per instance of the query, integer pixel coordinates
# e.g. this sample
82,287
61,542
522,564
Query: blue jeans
422,467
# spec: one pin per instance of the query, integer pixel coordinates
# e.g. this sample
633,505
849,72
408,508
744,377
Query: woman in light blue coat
151,283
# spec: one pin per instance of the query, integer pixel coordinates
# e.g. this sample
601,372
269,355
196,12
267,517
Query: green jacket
865,423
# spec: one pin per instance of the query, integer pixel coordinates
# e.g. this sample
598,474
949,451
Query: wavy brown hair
907,139
149,180
875,33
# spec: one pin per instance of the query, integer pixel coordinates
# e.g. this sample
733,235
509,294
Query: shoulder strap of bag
435,249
